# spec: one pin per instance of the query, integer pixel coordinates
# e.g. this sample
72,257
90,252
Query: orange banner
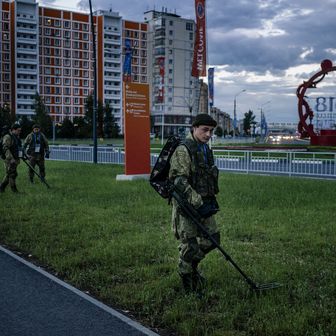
136,128
199,60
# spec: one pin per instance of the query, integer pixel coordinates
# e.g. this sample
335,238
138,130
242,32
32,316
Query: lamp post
235,111
94,112
162,125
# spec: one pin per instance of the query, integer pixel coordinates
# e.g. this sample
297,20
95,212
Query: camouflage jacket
34,139
11,146
194,172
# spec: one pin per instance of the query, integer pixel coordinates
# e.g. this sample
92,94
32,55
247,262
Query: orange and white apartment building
49,51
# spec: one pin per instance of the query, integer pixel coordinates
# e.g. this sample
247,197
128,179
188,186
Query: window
189,26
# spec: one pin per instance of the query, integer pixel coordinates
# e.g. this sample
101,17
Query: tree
41,116
100,115
5,116
219,131
82,128
67,129
111,128
89,114
248,121
26,125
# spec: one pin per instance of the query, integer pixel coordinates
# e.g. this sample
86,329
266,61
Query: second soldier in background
37,148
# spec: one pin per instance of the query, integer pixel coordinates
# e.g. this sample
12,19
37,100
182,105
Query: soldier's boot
14,189
187,281
198,280
4,184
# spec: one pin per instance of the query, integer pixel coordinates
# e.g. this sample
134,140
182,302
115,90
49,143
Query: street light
235,112
94,114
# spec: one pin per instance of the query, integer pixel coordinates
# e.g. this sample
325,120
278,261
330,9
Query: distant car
152,136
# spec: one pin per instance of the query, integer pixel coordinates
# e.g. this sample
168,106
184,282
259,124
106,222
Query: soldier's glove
206,210
215,204
47,154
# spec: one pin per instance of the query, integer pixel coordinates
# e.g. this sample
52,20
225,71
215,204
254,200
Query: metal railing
289,163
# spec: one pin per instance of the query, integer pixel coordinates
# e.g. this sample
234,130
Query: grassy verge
114,240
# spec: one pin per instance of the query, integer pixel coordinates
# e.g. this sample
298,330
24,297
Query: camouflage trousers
193,245
40,162
11,173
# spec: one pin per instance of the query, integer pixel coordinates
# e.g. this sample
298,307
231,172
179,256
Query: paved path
35,303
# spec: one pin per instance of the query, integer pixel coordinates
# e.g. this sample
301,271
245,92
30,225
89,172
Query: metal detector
26,161
191,213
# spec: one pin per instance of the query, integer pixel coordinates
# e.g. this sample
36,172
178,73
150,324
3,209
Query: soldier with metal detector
186,175
37,148
193,173
12,151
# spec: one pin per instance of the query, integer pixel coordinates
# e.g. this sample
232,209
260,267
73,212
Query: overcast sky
266,47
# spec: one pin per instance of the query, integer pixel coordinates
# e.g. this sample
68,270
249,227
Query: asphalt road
35,303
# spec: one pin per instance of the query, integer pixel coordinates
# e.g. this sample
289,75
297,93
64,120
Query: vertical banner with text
137,128
199,60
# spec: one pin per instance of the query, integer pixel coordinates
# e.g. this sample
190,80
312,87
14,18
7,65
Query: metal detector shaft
191,213
25,160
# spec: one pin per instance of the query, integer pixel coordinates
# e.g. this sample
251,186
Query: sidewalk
35,303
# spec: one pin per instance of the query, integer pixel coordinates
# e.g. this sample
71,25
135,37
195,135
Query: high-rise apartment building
5,52
174,92
49,51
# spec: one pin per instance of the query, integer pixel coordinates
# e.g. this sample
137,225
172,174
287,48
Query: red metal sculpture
326,137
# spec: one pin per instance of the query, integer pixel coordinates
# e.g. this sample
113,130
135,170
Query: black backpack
159,177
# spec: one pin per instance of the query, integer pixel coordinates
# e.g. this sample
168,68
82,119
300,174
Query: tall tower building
24,69
5,52
109,61
174,92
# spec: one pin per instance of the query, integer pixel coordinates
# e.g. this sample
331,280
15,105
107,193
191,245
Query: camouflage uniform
11,146
37,145
192,167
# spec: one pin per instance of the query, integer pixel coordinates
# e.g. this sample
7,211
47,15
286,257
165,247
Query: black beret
204,119
36,126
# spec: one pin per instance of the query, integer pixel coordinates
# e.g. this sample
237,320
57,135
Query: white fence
290,163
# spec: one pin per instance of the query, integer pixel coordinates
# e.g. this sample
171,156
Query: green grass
114,240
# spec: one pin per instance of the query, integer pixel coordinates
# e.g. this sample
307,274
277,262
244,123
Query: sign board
136,128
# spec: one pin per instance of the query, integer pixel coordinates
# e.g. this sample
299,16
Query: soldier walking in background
37,148
12,150
193,172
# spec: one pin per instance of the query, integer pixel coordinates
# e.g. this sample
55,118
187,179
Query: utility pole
94,112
